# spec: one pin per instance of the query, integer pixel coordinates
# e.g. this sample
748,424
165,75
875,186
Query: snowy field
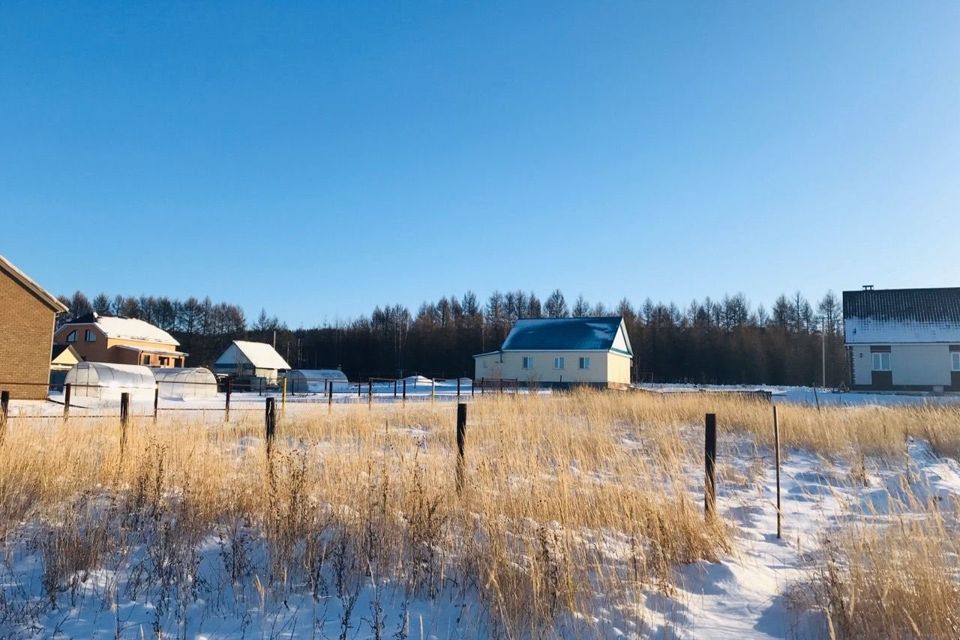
754,590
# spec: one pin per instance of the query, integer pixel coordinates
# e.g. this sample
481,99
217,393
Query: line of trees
725,341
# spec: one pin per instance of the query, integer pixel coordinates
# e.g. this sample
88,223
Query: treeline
725,341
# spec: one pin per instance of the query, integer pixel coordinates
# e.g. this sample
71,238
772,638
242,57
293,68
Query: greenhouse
106,381
315,380
184,383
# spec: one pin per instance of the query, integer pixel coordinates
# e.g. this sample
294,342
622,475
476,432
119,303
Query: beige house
561,352
120,341
27,317
254,364
903,339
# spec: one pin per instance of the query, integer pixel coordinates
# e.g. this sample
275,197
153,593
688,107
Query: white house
256,363
560,352
903,339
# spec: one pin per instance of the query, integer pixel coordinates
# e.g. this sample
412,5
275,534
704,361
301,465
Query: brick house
27,318
120,341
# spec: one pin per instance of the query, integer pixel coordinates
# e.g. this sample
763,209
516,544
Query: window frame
72,337
559,363
526,363
880,361
89,335
955,361
584,363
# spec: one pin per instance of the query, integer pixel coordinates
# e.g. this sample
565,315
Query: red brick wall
26,337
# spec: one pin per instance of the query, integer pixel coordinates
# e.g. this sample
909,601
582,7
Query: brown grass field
551,484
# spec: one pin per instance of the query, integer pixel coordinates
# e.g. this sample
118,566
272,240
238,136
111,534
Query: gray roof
564,334
904,305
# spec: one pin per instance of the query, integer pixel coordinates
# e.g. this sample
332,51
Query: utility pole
823,352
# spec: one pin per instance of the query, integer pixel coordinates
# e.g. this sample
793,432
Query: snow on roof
901,315
563,334
27,283
260,354
130,329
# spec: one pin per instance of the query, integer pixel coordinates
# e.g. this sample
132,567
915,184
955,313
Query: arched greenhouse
106,381
186,383
315,380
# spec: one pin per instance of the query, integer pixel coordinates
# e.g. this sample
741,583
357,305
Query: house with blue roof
561,352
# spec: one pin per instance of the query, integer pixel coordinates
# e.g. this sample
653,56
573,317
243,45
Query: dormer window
90,335
72,336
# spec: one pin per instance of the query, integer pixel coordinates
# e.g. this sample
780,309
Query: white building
561,352
903,339
253,363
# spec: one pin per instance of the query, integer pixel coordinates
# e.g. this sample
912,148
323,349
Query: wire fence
85,401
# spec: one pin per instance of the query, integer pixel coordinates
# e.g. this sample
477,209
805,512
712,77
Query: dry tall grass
569,500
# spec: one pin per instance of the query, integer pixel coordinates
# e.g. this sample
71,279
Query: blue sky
318,159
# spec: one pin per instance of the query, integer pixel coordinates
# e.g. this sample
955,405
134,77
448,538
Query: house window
163,361
146,359
584,363
72,336
955,360
527,362
881,360
90,336
558,363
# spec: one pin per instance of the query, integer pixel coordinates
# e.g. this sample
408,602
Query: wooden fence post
283,402
461,442
433,389
369,392
404,390
359,389
710,458
330,397
270,423
124,422
458,388
776,456
156,403
67,392
226,402
394,389
4,413
482,386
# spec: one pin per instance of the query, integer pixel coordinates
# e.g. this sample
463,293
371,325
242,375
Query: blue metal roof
563,334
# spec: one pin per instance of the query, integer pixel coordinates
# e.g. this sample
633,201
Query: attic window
90,335
72,336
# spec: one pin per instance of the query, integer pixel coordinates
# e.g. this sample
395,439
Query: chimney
868,287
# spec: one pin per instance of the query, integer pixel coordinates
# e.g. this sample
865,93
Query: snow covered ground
812,396
746,595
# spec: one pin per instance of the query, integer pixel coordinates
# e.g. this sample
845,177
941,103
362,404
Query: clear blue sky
318,159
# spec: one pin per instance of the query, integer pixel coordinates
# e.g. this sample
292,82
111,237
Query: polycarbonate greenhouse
106,381
184,383
314,380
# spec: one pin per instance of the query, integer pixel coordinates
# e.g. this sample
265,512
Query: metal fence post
226,402
270,423
67,392
4,413
156,403
404,390
458,388
461,443
124,421
369,392
776,455
710,459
